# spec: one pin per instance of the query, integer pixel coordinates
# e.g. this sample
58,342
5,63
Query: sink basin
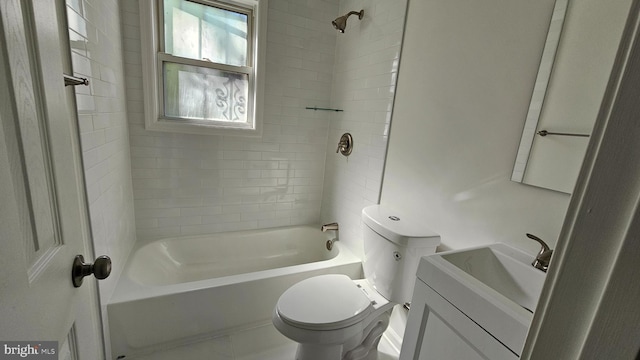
494,285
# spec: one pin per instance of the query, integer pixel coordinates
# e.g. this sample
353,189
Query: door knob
101,269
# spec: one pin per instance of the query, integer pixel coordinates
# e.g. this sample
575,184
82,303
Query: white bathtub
181,290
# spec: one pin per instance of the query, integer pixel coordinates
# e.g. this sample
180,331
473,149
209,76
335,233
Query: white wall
366,65
465,81
191,184
94,31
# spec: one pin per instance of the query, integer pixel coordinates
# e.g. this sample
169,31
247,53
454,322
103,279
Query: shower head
341,22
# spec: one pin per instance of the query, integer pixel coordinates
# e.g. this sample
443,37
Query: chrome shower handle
345,144
341,146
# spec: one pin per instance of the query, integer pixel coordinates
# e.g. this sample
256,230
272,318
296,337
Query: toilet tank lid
398,227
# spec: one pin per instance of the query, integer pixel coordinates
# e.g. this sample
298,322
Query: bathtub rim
127,289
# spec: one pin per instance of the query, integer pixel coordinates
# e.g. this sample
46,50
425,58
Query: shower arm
359,13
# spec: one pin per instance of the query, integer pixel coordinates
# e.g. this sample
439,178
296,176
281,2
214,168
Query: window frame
153,58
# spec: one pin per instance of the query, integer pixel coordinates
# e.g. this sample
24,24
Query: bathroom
434,94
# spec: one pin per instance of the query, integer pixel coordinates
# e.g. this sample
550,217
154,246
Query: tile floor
260,343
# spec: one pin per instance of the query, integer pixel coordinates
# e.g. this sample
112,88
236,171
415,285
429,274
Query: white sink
494,285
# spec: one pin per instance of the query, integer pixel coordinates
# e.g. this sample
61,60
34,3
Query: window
202,65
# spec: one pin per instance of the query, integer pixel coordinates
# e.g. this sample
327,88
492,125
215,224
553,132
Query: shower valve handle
345,144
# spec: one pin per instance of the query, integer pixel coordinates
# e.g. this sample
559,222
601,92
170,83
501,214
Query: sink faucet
544,255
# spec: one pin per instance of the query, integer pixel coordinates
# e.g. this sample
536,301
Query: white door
43,214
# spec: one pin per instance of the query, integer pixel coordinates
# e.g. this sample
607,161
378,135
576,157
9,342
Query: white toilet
334,317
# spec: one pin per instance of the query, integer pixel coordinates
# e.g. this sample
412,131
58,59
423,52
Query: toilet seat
325,302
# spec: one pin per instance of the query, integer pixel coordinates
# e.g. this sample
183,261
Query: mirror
521,167
573,76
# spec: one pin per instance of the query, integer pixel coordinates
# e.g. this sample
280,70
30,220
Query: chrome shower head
341,22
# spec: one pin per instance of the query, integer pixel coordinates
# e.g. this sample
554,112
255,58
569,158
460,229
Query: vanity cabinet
437,330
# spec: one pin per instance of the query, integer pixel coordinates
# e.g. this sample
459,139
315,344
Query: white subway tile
236,209
263,215
157,213
261,165
146,223
182,220
241,191
159,233
277,222
204,210
146,203
221,218
175,202
92,139
241,155
276,180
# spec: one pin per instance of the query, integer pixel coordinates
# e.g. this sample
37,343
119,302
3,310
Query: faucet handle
544,245
544,255
345,144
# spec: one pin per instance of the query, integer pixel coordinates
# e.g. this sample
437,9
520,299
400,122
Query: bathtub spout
331,226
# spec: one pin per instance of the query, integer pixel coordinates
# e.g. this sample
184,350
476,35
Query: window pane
203,32
201,93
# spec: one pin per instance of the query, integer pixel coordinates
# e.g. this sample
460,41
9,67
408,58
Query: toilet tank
393,246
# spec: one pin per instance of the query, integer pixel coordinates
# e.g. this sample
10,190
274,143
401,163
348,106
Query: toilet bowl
331,314
335,317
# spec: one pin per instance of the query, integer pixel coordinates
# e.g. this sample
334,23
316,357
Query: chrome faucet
330,226
544,255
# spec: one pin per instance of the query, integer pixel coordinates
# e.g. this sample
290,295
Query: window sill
199,128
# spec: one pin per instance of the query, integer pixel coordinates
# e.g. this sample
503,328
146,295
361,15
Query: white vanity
470,304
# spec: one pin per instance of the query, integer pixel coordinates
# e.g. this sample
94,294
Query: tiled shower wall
195,184
96,44
366,68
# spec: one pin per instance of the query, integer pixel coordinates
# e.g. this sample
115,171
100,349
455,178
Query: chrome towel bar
545,133
325,109
74,80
